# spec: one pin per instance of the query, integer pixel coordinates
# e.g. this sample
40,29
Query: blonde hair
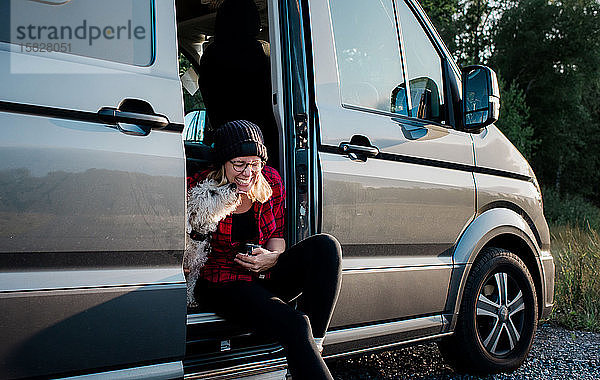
261,191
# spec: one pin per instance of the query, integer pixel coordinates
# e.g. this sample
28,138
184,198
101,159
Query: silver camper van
382,141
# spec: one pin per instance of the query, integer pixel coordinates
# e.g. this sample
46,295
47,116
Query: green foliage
473,41
576,254
551,49
514,118
466,26
441,13
573,210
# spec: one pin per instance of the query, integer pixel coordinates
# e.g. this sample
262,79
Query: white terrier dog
207,205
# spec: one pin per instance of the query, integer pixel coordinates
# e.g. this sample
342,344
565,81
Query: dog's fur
207,205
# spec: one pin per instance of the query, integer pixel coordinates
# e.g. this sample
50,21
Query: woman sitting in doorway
252,289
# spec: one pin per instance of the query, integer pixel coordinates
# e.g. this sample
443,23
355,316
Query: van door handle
132,123
367,151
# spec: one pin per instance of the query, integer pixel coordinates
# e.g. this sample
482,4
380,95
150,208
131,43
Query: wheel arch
518,245
501,228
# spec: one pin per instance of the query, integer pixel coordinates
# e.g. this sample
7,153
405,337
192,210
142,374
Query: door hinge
301,171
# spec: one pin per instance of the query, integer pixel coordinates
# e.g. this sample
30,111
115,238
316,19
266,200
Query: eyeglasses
240,166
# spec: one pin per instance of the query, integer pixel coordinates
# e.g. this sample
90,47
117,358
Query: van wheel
498,316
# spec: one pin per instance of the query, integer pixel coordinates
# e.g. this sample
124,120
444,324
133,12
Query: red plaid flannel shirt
220,266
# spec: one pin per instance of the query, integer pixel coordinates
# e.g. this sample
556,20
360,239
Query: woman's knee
328,249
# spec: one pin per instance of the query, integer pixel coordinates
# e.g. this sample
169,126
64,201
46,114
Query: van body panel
369,287
548,273
66,331
393,215
479,232
41,78
102,190
93,218
51,278
386,202
383,206
493,150
369,337
496,191
88,209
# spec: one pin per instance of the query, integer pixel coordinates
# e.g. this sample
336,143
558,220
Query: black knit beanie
238,138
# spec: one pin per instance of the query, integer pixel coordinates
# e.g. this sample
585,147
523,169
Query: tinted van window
423,66
368,53
113,30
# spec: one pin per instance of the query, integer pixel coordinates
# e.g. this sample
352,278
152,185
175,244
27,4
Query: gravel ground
556,354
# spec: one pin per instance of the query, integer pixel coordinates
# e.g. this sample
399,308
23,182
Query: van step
198,318
216,360
275,375
213,342
274,369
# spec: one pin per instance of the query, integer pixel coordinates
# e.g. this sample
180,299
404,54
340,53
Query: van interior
228,80
220,84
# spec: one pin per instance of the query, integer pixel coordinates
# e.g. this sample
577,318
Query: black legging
311,267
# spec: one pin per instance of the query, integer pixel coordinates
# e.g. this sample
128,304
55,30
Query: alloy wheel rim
500,314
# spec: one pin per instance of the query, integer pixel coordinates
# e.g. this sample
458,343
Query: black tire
498,316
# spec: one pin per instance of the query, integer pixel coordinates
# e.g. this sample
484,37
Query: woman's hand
260,260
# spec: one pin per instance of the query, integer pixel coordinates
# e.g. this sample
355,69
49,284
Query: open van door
92,189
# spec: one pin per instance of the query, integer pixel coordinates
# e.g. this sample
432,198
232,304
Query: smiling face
243,171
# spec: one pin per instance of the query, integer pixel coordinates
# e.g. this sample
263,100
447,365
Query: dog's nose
233,186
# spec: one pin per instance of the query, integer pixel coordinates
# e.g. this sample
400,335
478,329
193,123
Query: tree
442,15
514,118
551,50
476,19
466,26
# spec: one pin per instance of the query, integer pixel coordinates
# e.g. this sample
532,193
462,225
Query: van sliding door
92,189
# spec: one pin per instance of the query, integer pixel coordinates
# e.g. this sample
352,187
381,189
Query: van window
112,30
368,54
423,66
193,104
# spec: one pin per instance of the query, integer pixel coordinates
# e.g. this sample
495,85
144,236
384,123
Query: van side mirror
399,103
481,97
424,97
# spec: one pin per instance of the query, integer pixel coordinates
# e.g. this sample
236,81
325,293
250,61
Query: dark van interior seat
235,73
